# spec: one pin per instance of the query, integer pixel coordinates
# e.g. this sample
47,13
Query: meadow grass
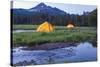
78,34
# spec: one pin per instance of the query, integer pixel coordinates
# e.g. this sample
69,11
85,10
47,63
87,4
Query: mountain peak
43,8
41,5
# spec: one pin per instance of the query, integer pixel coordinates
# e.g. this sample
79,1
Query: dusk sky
69,8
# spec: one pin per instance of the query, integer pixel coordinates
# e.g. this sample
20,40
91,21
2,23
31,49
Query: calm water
82,52
18,31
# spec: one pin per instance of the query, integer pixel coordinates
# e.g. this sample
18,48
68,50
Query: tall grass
37,38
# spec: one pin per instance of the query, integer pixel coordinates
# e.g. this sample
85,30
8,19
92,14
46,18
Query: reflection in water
83,52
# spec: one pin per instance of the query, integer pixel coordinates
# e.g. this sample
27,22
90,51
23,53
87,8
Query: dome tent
70,26
45,27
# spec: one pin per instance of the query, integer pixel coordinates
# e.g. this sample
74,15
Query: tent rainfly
45,27
70,26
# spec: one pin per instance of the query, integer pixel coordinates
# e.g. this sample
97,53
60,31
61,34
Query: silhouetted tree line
36,18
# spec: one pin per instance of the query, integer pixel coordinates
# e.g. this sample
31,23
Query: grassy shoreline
61,34
38,38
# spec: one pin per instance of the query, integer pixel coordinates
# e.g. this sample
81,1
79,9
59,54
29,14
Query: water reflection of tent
45,27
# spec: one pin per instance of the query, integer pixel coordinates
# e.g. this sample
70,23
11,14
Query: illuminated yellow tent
45,27
70,26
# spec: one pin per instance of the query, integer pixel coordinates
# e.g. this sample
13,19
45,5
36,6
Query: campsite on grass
49,33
